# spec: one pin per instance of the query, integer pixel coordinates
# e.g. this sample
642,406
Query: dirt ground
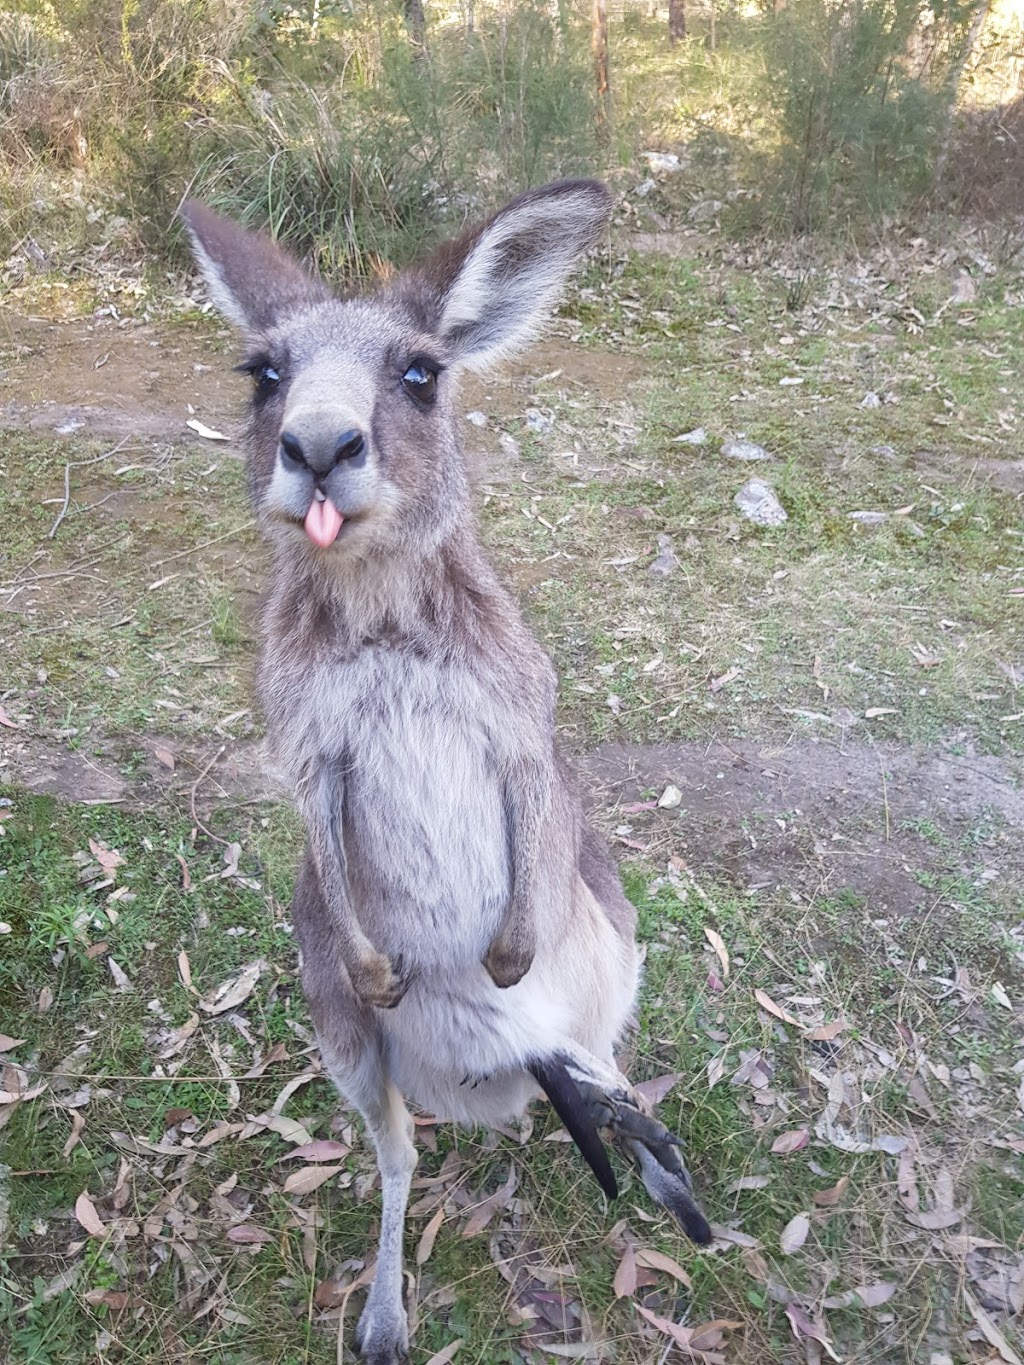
816,817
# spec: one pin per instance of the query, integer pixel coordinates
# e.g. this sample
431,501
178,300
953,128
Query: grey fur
455,913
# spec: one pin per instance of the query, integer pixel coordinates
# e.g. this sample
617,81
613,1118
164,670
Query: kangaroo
464,936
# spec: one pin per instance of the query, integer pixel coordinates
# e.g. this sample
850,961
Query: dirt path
808,818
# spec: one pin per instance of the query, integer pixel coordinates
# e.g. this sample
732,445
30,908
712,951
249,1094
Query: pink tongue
323,522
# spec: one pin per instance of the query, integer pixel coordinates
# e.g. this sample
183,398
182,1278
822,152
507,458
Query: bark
599,48
956,75
416,23
676,20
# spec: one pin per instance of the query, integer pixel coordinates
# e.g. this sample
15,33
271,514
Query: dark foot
381,983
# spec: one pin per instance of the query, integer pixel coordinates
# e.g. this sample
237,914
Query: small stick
79,464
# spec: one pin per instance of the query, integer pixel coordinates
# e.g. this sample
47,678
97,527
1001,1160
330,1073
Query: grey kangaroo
465,939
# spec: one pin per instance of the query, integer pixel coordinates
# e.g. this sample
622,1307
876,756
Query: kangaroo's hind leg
589,1094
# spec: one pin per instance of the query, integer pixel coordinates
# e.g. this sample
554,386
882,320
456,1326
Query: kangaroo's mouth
323,520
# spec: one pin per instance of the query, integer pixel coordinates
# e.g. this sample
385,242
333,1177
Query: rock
868,518
509,445
537,421
964,288
871,400
670,798
666,560
662,163
744,450
758,503
645,187
696,437
479,419
705,210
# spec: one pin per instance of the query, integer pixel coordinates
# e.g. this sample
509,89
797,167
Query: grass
819,619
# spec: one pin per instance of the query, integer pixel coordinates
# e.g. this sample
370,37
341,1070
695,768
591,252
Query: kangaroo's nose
319,454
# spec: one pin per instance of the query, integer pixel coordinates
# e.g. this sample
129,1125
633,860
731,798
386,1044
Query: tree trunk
956,75
676,21
416,23
599,48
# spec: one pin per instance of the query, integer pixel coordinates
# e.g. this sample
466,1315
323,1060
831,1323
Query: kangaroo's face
353,438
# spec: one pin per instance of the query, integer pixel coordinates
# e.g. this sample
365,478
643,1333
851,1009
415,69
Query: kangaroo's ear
487,293
251,281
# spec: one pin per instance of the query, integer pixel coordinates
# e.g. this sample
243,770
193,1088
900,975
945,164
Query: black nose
322,456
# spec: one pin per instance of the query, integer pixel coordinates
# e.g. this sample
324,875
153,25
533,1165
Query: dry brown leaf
935,1219
827,1199
428,1237
446,1354
767,1003
77,1124
323,1149
163,756
85,1212
45,1001
682,1336
185,971
289,1089
290,1129
990,1331
114,1299
120,977
716,1070
234,991
309,1178
708,1335
754,1264
715,939
108,858
804,1326
654,1091
906,1181
624,1283
734,1237
749,1182
6,720
8,1044
824,1033
247,1235
794,1234
493,1204
793,1141
649,1259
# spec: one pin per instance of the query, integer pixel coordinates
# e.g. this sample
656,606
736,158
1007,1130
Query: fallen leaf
85,1212
804,1326
185,971
6,720
793,1141
827,1199
730,675
120,977
114,1299
163,756
108,858
309,1178
794,1234
716,1070
8,1044
246,1235
446,1354
625,1281
824,1033
648,1259
290,1129
323,1149
998,993
207,433
990,1331
767,1003
232,992
494,1203
734,1237
77,1124
934,1219
749,1182
429,1236
715,939
654,1091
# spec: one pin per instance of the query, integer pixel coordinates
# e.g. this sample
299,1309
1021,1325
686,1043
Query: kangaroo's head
354,441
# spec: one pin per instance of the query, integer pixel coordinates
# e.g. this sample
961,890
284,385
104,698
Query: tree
599,48
676,20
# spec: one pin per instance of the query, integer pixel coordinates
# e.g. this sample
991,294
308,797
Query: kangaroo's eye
420,382
266,379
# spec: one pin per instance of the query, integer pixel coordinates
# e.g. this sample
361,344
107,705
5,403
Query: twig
79,464
192,799
203,545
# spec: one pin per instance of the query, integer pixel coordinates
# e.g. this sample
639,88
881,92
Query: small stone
871,400
696,437
758,503
666,560
868,518
479,419
670,798
662,163
744,450
537,421
706,210
645,187
509,445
